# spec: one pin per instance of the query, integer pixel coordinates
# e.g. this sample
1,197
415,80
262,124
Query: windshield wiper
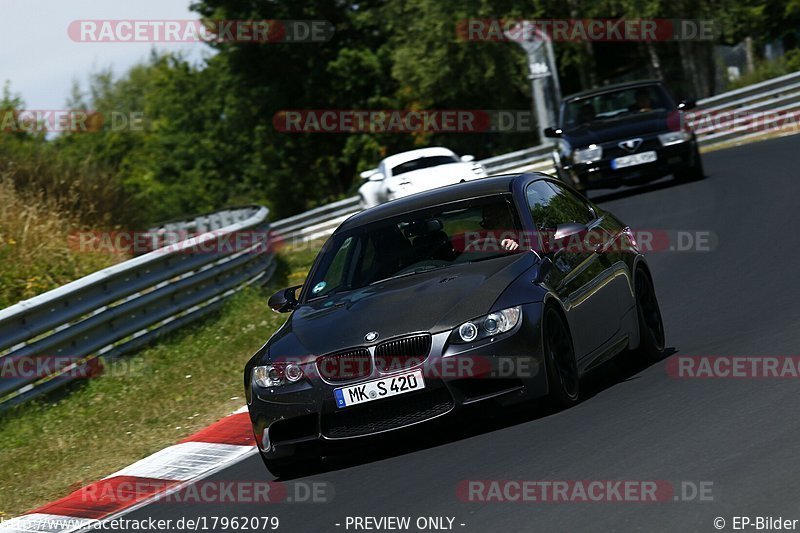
418,270
337,290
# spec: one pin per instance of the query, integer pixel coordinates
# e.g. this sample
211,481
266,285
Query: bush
765,70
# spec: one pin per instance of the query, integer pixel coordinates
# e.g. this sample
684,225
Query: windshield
612,104
423,162
416,242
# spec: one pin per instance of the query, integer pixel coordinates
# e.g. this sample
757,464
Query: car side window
552,204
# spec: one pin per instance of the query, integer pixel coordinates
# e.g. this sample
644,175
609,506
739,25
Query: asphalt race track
741,298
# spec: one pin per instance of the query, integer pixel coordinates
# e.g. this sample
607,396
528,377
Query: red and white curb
218,446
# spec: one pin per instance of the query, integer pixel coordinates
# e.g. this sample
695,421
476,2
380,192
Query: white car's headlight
674,137
588,155
276,374
488,325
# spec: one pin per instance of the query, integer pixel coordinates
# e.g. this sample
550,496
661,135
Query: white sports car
416,171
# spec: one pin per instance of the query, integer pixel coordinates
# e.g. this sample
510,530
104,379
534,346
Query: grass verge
37,252
141,404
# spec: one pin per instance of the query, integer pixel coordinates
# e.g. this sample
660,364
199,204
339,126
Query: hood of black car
622,128
431,301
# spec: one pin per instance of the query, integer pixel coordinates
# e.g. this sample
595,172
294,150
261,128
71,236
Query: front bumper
301,418
601,175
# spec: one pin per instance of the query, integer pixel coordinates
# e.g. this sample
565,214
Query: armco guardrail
747,111
515,160
317,222
778,95
53,338
755,90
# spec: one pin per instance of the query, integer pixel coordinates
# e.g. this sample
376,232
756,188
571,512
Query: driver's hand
509,244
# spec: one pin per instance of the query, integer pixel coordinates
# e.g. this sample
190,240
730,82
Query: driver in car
497,221
643,102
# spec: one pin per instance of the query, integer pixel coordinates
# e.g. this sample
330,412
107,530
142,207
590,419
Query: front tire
694,170
562,367
651,326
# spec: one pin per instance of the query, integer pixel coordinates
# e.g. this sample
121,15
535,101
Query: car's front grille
402,353
345,366
613,150
390,413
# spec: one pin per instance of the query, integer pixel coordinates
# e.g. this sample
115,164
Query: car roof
611,88
442,195
397,159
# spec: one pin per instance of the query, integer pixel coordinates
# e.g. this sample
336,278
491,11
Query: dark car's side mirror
564,237
284,300
687,103
553,133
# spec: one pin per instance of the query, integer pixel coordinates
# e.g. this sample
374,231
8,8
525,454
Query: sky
41,61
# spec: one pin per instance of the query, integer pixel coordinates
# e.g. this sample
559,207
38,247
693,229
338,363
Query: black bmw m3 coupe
507,289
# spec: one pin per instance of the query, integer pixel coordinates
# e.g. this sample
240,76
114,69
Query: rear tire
562,367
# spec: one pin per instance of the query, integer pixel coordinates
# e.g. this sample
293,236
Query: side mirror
368,173
687,104
553,133
467,158
565,236
284,300
377,176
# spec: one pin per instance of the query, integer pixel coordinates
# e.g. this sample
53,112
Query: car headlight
674,137
277,374
488,325
588,155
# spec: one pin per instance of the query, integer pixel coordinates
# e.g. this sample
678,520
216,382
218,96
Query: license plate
633,160
378,389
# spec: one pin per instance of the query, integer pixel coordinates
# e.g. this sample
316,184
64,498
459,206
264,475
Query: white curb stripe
184,461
